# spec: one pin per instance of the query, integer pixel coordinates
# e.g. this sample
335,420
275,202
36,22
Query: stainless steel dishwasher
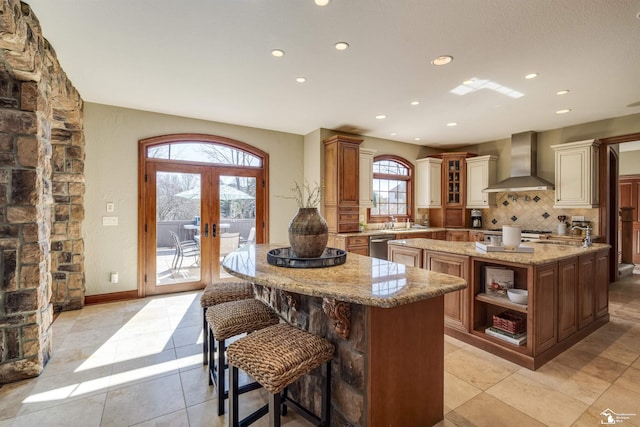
378,245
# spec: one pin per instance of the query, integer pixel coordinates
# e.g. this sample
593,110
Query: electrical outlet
577,218
113,277
109,220
111,207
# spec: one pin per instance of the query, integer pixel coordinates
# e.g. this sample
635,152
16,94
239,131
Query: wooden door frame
608,187
262,208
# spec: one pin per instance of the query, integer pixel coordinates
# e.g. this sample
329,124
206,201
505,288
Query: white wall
111,172
630,163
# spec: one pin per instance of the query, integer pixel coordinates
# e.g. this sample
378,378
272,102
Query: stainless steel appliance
378,245
476,218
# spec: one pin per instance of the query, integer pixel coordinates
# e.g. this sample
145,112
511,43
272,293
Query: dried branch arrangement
305,195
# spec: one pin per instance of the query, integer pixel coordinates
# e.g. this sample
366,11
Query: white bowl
519,296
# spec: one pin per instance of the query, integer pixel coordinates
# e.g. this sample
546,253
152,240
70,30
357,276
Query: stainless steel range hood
523,167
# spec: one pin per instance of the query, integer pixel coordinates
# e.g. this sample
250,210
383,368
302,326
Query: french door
192,215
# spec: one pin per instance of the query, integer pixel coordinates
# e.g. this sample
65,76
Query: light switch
109,220
111,207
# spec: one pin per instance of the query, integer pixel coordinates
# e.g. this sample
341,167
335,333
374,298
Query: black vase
308,233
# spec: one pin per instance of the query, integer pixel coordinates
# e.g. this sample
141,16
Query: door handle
213,229
206,230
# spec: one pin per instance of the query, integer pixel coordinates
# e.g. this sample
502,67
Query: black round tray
285,257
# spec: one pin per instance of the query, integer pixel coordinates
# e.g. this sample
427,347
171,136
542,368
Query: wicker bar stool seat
276,357
217,293
226,320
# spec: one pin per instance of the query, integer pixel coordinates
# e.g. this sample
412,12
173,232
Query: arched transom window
392,189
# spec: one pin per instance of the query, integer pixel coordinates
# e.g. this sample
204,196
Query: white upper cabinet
576,174
366,177
429,183
481,173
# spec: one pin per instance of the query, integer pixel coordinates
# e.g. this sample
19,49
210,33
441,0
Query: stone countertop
543,252
361,279
371,232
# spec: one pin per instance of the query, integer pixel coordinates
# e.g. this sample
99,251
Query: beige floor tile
94,339
7,422
187,336
618,399
143,401
50,391
174,419
589,363
539,401
195,386
486,410
189,356
457,392
630,380
85,412
142,369
569,381
12,395
478,368
78,359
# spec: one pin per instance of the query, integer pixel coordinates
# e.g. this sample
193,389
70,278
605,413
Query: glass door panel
237,221
178,213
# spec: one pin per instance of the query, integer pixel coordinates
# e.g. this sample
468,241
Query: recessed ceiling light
562,92
393,134
301,79
321,2
467,82
452,124
417,139
278,53
531,76
415,102
381,116
342,46
442,60
565,111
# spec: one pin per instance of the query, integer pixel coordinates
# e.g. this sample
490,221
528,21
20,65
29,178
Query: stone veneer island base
386,321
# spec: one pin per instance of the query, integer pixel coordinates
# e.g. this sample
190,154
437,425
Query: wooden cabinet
476,236
366,177
567,298
576,174
629,186
586,290
405,255
439,235
414,235
353,244
545,283
456,304
482,171
601,292
457,235
429,183
454,183
341,180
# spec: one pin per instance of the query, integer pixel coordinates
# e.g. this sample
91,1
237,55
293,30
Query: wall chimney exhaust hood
523,177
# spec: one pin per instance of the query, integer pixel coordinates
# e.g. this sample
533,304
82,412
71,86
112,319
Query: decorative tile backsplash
531,210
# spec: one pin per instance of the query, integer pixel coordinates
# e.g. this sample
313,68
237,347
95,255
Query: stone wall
41,192
348,385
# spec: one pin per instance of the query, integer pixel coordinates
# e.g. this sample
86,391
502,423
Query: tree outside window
392,189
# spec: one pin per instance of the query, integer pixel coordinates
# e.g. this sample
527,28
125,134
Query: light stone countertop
361,279
543,252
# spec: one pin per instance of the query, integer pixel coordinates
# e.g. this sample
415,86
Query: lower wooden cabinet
411,257
567,298
586,290
602,284
456,304
545,284
476,236
457,236
354,244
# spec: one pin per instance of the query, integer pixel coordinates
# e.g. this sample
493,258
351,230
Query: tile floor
139,363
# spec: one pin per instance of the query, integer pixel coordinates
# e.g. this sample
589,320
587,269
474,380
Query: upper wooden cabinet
342,183
576,174
482,171
429,183
366,177
454,195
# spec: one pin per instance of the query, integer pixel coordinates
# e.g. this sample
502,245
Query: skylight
475,84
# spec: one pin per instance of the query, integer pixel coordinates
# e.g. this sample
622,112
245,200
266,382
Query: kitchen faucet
393,219
587,240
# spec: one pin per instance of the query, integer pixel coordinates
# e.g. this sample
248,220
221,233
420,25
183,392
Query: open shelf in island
501,302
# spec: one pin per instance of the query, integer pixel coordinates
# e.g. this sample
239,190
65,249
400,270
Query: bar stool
227,320
276,357
216,293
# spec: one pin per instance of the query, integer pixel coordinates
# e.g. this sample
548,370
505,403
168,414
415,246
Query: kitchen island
386,321
567,288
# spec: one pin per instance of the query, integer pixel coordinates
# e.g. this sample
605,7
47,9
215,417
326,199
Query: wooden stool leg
205,336
234,421
274,410
220,382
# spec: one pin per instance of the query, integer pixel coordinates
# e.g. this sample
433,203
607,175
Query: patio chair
229,242
251,238
186,248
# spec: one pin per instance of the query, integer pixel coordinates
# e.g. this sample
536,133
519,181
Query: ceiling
211,59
